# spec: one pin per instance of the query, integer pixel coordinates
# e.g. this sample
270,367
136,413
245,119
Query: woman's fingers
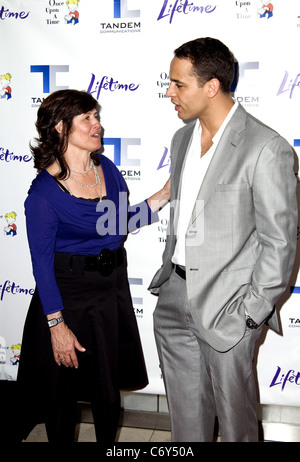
64,344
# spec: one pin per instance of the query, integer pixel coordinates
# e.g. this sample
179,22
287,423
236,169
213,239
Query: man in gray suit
230,248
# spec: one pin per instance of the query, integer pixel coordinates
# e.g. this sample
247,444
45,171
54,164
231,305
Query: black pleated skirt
99,311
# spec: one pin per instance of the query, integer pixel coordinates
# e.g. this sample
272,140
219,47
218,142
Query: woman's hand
159,199
64,345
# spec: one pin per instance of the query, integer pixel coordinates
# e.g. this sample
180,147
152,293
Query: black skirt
98,309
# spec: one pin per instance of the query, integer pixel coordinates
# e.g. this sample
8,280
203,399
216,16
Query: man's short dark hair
210,59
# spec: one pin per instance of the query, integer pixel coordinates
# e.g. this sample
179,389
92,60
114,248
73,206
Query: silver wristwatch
55,321
250,323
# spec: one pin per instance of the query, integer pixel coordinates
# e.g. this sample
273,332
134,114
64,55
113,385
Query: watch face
55,321
251,324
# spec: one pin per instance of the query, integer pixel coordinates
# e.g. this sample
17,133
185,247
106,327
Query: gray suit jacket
241,240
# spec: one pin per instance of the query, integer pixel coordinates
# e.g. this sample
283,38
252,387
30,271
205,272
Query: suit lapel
180,159
176,179
226,148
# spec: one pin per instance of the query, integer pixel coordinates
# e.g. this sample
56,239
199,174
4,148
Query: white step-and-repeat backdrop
120,51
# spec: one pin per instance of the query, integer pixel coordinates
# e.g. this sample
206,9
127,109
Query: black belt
105,262
180,271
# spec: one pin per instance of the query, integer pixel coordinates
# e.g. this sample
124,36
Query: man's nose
170,91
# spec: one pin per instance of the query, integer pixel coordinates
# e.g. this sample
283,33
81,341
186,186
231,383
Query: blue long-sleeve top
59,222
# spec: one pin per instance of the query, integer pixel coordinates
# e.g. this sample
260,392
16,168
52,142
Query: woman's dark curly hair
62,105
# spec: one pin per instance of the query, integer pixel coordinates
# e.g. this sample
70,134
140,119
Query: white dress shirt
195,168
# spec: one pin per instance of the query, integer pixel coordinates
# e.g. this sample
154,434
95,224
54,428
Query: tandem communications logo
136,284
294,321
49,79
246,84
125,18
125,154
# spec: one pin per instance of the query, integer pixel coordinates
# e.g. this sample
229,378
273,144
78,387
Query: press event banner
120,52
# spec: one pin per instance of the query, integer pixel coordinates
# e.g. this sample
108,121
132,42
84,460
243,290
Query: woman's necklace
88,185
83,173
98,180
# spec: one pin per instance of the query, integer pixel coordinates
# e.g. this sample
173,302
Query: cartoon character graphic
11,228
5,89
266,11
16,349
73,16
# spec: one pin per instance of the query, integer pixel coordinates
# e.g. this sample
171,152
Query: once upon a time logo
5,88
62,12
10,227
163,83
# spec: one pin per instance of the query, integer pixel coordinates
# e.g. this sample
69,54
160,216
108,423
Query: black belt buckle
106,262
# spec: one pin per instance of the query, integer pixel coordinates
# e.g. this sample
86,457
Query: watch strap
54,321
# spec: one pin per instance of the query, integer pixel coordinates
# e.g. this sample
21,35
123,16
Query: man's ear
59,127
213,87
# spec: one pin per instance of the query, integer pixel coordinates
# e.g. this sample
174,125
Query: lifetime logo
49,76
121,10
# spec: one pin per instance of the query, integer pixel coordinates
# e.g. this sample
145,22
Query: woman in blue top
80,339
